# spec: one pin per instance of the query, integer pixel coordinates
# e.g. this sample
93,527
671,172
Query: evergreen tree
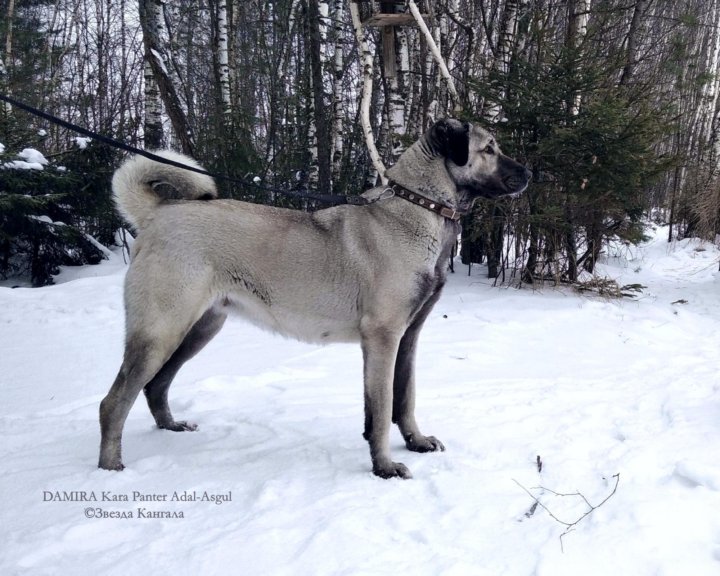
51,214
591,144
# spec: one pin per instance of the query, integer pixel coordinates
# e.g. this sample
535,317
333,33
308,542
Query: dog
368,274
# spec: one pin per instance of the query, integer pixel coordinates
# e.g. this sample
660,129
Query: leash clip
386,194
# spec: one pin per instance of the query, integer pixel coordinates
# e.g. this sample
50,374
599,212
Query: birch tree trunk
578,16
632,52
153,127
405,80
337,101
366,62
224,62
708,101
435,53
152,23
394,99
8,59
319,133
503,56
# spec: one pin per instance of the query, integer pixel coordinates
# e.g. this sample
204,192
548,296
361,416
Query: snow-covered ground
595,387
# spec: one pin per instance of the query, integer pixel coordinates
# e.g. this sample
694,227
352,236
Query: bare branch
569,526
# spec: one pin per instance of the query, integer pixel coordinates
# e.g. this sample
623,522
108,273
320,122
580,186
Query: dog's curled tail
141,184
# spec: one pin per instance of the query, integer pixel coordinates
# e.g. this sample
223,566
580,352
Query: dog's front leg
380,345
404,386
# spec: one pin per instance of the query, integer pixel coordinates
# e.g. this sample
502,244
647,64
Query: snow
82,142
160,60
31,160
595,387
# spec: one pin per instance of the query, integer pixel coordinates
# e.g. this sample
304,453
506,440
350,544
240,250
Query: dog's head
475,162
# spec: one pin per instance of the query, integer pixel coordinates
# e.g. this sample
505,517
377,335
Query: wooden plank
392,20
388,50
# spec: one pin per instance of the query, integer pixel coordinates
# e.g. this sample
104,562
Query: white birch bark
324,10
153,126
338,107
503,55
223,61
578,24
435,51
157,53
396,109
366,62
413,82
707,109
451,36
314,168
9,34
404,77
9,46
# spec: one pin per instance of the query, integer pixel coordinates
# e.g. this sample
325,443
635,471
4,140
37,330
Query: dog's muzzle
517,183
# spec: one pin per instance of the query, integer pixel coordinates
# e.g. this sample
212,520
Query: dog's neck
422,171
438,207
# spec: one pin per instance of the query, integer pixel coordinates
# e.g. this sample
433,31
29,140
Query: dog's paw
392,470
424,444
179,426
112,466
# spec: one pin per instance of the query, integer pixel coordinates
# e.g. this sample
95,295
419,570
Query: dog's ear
451,138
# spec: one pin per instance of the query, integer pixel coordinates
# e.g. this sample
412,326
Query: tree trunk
570,241
578,16
631,57
503,56
151,21
366,62
337,102
395,103
321,142
153,127
224,62
8,60
495,241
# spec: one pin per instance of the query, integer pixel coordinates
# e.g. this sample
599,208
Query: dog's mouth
510,179
515,186
511,186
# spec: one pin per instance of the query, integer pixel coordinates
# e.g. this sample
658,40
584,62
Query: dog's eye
489,149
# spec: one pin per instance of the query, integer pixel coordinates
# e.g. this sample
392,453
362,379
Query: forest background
613,105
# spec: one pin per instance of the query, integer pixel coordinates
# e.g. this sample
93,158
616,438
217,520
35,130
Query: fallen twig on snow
569,526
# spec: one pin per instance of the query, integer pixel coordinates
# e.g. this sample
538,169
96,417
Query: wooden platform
392,20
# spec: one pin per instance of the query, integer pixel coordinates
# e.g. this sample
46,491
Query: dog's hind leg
152,338
404,386
143,358
156,391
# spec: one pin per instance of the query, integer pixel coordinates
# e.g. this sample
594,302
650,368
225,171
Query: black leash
333,199
393,188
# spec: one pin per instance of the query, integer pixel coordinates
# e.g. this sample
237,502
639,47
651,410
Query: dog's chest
432,279
442,247
434,242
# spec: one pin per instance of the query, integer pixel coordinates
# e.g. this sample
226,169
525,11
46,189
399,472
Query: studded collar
440,208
